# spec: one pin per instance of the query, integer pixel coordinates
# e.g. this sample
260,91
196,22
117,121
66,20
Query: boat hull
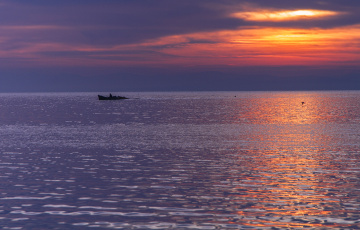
111,98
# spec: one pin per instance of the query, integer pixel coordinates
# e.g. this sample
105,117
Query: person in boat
111,95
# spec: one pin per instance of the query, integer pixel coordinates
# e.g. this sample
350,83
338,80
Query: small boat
111,97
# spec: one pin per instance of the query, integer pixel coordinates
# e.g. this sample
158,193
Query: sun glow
290,185
283,15
268,46
243,46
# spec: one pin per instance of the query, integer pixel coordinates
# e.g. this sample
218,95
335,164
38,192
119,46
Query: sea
180,160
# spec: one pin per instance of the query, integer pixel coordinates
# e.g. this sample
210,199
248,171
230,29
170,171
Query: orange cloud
245,46
263,46
266,15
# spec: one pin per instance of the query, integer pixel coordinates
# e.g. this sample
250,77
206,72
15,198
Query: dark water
180,160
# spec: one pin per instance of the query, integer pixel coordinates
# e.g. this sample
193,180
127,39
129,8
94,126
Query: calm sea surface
210,160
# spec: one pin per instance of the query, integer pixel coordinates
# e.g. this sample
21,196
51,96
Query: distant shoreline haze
248,79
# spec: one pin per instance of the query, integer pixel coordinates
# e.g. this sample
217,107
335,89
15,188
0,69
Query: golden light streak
283,181
283,15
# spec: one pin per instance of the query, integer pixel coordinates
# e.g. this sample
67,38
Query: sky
179,45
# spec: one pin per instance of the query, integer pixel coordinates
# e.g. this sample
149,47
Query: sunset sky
165,45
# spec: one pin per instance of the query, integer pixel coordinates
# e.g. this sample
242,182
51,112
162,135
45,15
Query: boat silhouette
111,97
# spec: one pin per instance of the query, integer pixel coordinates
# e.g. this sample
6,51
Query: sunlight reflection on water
180,160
